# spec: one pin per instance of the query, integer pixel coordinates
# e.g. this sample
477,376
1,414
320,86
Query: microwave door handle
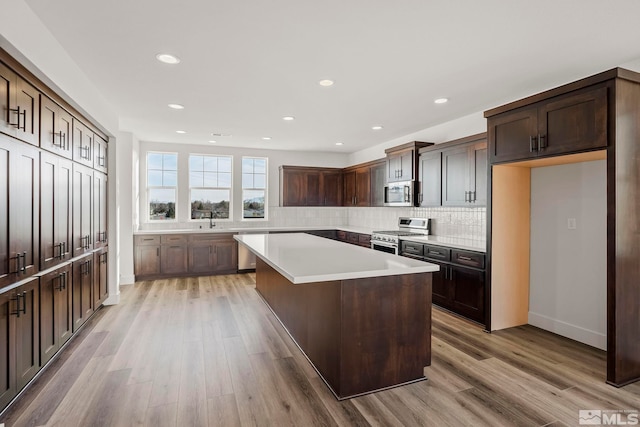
407,195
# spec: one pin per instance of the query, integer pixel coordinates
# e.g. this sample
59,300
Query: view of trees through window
254,187
162,180
210,186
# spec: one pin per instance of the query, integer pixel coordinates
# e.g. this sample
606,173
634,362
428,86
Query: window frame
150,187
230,188
266,189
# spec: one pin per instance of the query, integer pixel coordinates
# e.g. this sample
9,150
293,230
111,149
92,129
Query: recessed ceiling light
339,143
266,138
288,118
212,142
377,127
167,58
221,134
181,131
441,100
325,83
176,106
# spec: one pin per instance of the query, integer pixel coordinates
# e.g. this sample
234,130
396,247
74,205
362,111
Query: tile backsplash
467,223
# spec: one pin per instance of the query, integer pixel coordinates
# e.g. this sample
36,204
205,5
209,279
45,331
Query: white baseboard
127,279
585,336
112,300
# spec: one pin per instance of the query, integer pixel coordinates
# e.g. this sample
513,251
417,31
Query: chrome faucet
211,223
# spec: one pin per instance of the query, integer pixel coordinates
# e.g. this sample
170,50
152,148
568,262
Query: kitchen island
361,317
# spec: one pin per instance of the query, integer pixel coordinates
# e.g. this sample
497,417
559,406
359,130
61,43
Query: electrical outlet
571,223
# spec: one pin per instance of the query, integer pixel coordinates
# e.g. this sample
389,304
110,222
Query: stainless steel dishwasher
246,258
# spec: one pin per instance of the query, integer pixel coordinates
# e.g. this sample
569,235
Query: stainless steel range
388,241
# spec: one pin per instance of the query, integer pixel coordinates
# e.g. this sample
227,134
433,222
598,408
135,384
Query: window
162,180
254,187
210,186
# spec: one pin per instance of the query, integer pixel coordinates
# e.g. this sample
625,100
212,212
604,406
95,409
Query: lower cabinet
359,239
100,283
82,290
459,286
19,338
184,254
56,311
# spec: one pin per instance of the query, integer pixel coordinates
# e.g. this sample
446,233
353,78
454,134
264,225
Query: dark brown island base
361,317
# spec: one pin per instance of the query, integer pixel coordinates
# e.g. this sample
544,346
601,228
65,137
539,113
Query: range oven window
384,247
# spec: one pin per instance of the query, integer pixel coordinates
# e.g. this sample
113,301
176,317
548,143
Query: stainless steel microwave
399,193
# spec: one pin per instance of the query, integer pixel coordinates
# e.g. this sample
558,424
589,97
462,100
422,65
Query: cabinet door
455,176
331,188
226,255
406,166
147,262
99,210
8,306
468,292
100,283
430,170
56,127
293,187
394,168
573,122
349,187
442,287
8,120
478,174
27,332
363,187
24,215
7,264
82,144
82,287
173,259
378,180
56,322
55,210
510,134
201,259
28,104
64,303
312,189
100,154
82,209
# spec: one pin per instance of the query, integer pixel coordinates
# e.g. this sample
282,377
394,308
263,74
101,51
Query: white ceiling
246,64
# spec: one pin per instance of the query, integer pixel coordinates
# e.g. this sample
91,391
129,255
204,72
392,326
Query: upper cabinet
573,122
19,107
357,186
402,162
56,128
378,179
309,186
454,173
82,144
99,153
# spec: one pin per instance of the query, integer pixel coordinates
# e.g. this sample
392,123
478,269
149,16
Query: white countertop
303,258
267,229
451,242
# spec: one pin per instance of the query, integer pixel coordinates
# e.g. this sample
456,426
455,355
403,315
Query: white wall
568,280
276,159
459,128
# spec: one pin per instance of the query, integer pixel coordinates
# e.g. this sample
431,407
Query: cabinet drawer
172,239
412,248
147,240
352,238
437,252
342,235
203,238
471,259
364,239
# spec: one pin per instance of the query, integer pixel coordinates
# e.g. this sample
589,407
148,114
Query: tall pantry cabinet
53,225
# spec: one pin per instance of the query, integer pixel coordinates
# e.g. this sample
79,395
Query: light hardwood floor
207,351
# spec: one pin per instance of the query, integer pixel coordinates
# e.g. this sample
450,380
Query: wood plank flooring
207,351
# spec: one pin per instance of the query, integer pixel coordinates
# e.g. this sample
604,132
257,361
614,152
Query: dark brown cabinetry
454,173
147,256
82,209
308,186
402,164
56,175
100,153
212,253
19,210
173,254
459,286
56,128
56,311
99,198
82,288
82,144
359,239
19,338
378,180
357,186
100,280
19,106
572,122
